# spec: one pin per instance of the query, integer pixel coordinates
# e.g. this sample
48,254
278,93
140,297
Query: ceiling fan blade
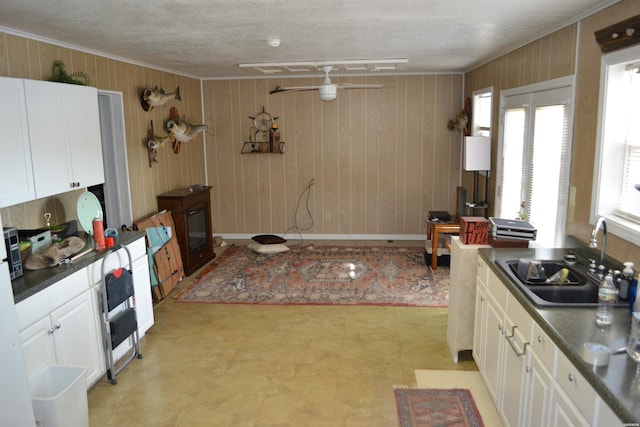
280,89
358,86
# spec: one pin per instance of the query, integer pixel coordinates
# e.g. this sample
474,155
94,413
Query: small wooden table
433,229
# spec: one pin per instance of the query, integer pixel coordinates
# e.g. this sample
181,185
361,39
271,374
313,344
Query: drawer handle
571,378
512,345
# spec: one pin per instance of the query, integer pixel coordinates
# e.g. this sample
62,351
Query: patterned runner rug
437,407
322,275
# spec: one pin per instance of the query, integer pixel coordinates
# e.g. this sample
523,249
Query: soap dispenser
625,281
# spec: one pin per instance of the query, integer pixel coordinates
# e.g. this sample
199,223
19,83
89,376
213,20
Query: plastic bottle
633,286
636,301
625,281
607,294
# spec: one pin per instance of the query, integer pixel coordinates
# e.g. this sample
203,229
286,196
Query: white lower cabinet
530,381
66,336
563,413
61,325
539,384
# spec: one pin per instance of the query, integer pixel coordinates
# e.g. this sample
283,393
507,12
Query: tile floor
251,365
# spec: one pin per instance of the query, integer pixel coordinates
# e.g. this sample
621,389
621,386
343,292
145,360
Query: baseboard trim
387,237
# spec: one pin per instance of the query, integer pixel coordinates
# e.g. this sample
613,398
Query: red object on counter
109,242
98,234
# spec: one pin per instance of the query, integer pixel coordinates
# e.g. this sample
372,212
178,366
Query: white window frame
474,115
525,91
607,168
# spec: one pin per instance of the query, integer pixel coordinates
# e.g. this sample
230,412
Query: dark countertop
617,383
34,281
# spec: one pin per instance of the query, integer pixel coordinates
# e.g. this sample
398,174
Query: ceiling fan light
328,92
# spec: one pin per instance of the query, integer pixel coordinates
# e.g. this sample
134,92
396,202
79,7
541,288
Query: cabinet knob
57,325
540,339
481,299
51,331
528,369
571,378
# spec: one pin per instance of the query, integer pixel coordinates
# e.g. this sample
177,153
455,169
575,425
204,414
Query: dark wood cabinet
191,211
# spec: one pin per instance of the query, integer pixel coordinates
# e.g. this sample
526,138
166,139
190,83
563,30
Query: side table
434,228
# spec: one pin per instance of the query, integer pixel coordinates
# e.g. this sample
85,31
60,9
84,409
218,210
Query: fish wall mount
150,98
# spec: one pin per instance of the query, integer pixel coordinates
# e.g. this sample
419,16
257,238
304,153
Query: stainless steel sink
579,290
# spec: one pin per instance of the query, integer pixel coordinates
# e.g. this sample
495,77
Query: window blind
534,162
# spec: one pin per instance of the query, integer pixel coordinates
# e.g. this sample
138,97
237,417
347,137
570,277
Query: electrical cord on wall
295,226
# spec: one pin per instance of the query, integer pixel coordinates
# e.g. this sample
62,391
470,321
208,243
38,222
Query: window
534,157
617,162
481,112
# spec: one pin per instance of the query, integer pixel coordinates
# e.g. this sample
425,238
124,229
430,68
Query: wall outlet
327,216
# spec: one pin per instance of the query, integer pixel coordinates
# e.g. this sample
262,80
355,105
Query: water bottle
607,294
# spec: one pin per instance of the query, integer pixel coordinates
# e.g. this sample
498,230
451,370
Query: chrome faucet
600,224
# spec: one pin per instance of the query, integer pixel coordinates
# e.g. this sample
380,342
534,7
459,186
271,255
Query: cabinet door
539,387
82,123
514,377
75,337
563,413
144,302
492,366
37,345
16,173
479,326
480,317
51,163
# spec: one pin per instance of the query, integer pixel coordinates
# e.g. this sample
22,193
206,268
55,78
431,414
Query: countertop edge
34,281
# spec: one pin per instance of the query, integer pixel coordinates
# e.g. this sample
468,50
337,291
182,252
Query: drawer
497,289
544,348
576,387
68,288
115,261
32,309
519,317
483,270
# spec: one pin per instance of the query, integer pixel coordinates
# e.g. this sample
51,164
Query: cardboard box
474,230
165,262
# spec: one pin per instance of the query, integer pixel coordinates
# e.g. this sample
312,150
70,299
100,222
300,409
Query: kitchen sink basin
580,289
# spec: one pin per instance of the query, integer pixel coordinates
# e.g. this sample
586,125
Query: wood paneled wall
380,159
571,50
547,58
31,59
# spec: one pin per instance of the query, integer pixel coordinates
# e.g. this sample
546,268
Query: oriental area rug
321,275
437,407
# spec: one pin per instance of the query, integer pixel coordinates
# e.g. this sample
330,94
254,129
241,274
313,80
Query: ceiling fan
327,90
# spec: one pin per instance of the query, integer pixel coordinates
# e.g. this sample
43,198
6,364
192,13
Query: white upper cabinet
16,173
64,131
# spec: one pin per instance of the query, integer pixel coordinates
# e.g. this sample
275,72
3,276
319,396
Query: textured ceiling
210,38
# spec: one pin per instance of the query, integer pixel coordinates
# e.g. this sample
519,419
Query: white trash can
59,397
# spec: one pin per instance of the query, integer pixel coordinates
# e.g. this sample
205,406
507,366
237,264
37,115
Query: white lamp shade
477,153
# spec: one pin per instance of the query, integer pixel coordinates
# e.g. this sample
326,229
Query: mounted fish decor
155,97
154,142
183,131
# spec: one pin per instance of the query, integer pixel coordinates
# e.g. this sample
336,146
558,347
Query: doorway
114,194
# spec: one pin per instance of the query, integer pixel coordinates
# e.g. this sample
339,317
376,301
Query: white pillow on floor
274,248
